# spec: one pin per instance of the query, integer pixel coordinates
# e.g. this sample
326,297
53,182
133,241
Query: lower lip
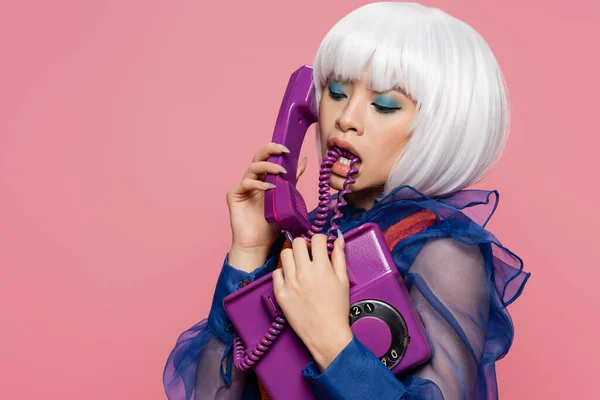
342,169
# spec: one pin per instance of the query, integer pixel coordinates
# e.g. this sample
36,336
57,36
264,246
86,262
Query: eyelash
385,110
381,109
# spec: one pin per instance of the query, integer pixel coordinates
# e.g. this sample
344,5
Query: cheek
326,125
322,138
394,137
390,144
322,124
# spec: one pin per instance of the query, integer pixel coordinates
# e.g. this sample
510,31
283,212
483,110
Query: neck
363,198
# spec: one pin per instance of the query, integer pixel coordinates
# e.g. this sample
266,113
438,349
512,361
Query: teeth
344,160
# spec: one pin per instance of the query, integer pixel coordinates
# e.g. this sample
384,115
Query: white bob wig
462,116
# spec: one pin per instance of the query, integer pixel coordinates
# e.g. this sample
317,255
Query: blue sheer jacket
460,277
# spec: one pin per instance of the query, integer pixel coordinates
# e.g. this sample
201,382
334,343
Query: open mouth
342,167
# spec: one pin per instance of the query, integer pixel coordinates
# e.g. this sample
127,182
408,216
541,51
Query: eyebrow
390,90
394,89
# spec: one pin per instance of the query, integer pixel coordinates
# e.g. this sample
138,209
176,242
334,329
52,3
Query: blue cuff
230,280
354,374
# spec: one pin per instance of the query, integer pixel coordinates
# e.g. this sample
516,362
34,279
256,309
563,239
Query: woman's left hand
314,296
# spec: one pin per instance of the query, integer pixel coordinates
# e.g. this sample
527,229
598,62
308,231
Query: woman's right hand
252,235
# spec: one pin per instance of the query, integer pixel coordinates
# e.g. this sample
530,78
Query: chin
337,183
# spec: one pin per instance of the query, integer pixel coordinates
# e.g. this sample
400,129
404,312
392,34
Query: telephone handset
381,315
284,205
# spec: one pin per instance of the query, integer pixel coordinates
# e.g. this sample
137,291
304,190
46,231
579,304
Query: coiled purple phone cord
244,361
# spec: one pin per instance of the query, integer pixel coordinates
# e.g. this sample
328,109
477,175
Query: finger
318,247
258,169
301,255
248,185
266,151
338,258
278,281
301,167
288,266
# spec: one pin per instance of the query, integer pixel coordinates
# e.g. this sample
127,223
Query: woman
419,97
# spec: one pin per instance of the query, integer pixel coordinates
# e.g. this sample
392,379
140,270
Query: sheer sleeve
461,279
450,287
201,364
194,368
209,382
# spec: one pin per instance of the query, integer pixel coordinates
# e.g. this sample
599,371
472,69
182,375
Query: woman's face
371,125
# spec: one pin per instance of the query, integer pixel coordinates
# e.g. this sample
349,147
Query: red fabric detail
407,227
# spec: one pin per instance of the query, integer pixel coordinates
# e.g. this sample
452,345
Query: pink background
122,126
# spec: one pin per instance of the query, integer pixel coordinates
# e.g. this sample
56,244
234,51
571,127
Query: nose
352,118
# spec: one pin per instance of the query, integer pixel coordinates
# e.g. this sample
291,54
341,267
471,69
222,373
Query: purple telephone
382,315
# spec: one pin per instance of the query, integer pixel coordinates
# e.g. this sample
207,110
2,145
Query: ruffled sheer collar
477,204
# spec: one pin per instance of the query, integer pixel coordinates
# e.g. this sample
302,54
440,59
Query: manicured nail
341,239
304,160
268,185
284,149
279,167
